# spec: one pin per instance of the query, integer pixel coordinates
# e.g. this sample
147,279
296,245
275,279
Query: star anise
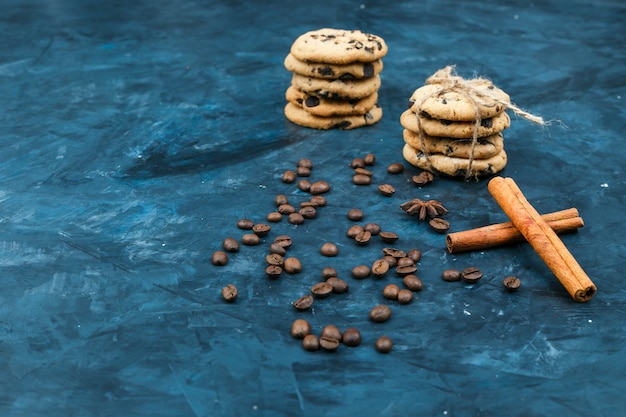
424,209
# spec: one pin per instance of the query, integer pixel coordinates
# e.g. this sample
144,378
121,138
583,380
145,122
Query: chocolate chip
311,101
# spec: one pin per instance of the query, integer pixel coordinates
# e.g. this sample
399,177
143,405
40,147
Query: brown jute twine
477,91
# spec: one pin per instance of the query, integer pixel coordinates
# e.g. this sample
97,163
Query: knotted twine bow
478,91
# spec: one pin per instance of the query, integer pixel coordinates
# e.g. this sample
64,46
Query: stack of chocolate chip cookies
454,126
335,81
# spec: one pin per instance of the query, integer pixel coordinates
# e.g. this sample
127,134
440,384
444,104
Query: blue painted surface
134,136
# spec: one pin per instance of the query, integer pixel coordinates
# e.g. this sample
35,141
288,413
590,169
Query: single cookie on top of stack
453,126
335,81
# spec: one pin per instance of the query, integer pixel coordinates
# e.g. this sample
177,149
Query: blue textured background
135,135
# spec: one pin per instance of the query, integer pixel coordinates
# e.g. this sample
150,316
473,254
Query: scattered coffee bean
261,229
292,265
329,249
295,218
423,178
369,159
405,267
339,286
289,176
229,293
380,313
329,344
273,271
405,296
274,259
395,168
308,212
361,271
380,267
331,331
354,231
230,245
276,248
361,179
304,185
388,237
351,337
274,217
357,163
319,187
318,200
304,162
451,275
283,241
412,282
303,171
321,289
328,272
414,254
286,209
390,291
245,224
384,344
512,284
471,275
373,228
390,260
300,328
439,225
311,343
396,253
281,199
363,171
219,258
303,303
386,189
363,238
355,215
405,261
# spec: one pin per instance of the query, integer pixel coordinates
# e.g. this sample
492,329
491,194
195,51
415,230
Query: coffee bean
339,286
386,189
354,231
395,168
390,291
363,238
274,259
384,344
273,271
319,187
373,228
292,265
405,296
328,272
245,224
369,159
396,253
329,249
303,171
295,218
303,303
274,217
361,179
283,241
355,215
512,284
261,229
404,270
357,163
331,331
289,176
451,275
311,343
471,275
230,245
318,200
321,289
439,225
412,282
281,199
286,209
219,258
361,271
329,344
380,313
304,162
351,337
229,293
304,185
390,260
277,249
414,254
380,268
388,237
300,328
422,178
405,261
308,212
363,171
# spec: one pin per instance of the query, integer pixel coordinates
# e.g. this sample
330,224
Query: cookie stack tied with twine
454,126
335,81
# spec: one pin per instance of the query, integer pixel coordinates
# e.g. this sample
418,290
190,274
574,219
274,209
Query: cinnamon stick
505,233
542,238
